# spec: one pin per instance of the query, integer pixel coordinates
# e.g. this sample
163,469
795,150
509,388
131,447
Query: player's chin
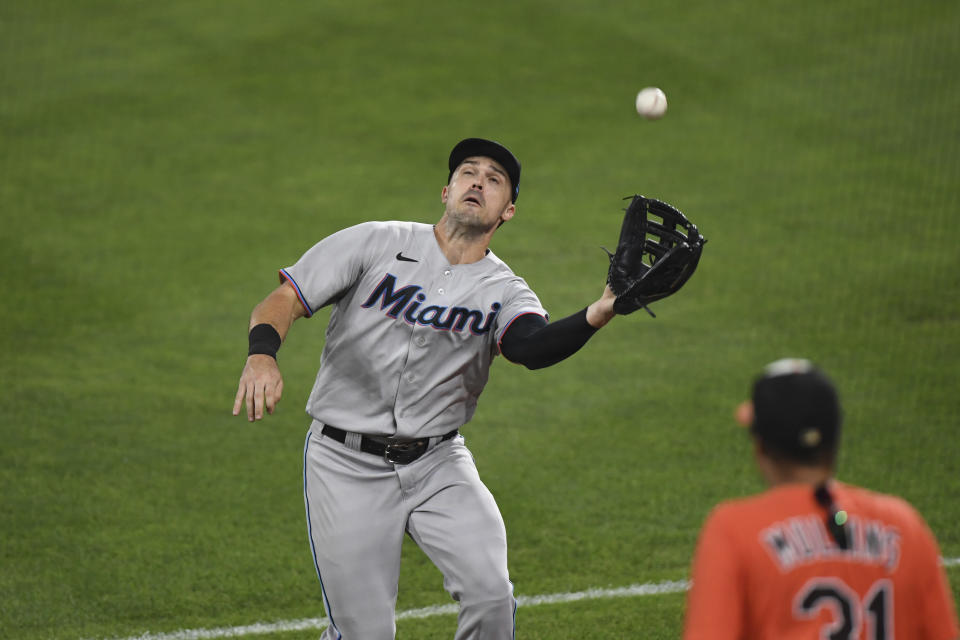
469,208
470,214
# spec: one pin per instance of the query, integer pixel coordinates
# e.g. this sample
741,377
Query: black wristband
264,339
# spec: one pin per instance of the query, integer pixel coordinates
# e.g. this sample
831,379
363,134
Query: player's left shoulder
494,262
496,270
747,515
731,513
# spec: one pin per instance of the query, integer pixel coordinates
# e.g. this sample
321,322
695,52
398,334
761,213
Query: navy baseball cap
490,149
796,409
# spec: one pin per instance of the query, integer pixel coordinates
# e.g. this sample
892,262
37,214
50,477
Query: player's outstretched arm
530,341
601,312
261,384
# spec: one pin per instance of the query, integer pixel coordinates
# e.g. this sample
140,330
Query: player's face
479,193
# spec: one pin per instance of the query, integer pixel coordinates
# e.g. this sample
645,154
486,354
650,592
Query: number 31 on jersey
849,611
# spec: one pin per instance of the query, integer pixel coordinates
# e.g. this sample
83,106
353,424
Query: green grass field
159,162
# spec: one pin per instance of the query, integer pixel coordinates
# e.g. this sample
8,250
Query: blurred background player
811,557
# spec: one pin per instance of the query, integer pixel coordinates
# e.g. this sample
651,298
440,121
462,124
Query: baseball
651,103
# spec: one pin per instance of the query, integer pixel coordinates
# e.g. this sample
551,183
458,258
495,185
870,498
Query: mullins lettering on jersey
408,303
803,539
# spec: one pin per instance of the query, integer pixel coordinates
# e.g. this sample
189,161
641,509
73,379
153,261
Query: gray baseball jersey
411,337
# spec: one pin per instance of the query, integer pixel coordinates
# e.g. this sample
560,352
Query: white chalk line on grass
647,589
264,628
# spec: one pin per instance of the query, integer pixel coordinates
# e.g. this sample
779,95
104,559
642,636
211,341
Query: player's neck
459,245
777,471
779,474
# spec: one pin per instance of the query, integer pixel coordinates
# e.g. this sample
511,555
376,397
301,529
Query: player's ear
443,194
508,212
744,413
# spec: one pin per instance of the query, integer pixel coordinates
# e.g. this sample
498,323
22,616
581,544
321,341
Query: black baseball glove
658,251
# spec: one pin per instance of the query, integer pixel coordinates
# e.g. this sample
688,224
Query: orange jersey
766,568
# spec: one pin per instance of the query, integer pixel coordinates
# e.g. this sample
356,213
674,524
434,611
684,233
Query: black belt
401,452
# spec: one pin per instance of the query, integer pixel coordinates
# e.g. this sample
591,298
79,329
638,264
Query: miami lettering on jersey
805,539
407,302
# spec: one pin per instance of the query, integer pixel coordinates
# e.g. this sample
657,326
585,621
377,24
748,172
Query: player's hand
261,385
601,312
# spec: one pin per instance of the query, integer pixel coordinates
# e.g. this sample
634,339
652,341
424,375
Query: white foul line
263,628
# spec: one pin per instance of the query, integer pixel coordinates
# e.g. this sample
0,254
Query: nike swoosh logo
404,258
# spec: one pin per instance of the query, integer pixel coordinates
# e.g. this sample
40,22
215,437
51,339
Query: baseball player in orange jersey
811,557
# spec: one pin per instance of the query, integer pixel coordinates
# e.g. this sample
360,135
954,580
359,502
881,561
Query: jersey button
410,377
447,272
421,341
440,291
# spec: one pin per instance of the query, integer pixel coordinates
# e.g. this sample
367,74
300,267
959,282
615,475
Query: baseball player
419,312
811,557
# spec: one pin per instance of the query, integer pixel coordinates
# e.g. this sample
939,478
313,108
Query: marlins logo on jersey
411,336
408,301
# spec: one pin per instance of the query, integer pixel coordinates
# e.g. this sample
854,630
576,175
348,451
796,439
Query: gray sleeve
520,300
333,265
